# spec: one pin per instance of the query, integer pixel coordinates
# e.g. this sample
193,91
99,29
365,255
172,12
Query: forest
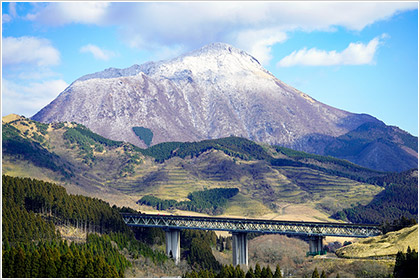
397,200
31,211
232,146
210,201
33,247
145,134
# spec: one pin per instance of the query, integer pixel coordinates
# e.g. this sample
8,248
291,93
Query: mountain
272,181
210,93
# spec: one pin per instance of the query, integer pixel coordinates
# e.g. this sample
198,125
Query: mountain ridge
209,93
121,173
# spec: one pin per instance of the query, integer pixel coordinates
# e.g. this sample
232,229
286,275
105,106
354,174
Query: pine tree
7,264
250,273
264,273
315,274
51,269
239,273
277,273
231,271
35,264
406,264
323,274
269,272
19,263
223,272
89,270
257,271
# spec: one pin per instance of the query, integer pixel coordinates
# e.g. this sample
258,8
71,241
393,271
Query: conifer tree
250,273
315,274
89,270
277,273
269,272
51,269
35,264
239,273
19,264
264,273
257,271
323,275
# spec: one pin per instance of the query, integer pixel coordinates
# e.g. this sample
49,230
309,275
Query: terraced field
121,174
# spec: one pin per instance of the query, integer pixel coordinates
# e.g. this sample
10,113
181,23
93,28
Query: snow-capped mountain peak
215,91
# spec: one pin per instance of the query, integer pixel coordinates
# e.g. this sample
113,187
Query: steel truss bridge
315,231
252,225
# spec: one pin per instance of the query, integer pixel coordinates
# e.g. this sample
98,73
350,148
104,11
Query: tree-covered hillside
399,199
232,146
210,201
33,247
266,176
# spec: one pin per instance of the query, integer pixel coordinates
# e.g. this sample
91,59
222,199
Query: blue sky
357,56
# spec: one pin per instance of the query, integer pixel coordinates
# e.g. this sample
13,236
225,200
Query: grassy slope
290,254
384,245
274,192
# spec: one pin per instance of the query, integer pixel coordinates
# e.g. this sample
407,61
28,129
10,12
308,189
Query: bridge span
314,231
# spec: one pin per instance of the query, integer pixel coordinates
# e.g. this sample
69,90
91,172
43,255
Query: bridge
314,231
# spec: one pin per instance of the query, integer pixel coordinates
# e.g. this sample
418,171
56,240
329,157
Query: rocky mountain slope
213,92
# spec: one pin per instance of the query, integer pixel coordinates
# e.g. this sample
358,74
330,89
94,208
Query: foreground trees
406,264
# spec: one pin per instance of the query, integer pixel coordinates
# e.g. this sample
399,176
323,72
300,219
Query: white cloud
60,13
259,42
6,18
97,52
29,50
32,97
12,13
354,54
150,25
12,9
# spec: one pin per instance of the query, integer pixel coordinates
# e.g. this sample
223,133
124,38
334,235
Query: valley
121,174
272,182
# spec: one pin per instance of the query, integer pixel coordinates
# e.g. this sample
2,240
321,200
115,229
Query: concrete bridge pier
239,248
315,245
173,244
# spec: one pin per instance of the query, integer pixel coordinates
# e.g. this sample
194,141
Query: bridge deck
252,225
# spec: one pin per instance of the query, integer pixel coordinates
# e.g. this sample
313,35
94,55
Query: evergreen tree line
406,264
196,249
208,201
315,274
84,137
232,146
97,258
397,200
30,208
229,271
26,201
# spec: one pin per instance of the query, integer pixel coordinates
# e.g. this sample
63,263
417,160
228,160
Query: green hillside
32,210
384,245
275,180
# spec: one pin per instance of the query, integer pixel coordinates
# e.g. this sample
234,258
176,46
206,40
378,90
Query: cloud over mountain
354,54
190,25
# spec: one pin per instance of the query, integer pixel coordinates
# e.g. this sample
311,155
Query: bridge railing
252,225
